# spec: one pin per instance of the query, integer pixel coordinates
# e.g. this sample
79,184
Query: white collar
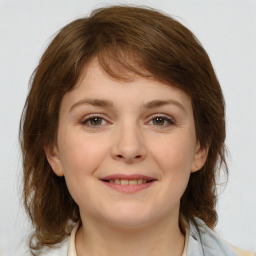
72,239
72,244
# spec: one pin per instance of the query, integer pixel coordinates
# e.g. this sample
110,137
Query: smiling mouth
128,182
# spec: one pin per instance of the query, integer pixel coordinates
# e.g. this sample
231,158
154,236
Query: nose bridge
129,142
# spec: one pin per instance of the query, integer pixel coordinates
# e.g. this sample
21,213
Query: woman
122,137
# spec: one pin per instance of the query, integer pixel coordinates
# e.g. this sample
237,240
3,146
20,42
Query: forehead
97,88
93,75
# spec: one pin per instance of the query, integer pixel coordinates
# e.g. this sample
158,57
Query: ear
200,157
52,155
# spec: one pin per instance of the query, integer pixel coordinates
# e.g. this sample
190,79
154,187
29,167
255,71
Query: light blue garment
210,244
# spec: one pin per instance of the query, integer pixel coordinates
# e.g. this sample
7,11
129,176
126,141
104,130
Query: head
128,42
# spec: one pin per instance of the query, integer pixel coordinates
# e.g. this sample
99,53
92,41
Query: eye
93,122
162,121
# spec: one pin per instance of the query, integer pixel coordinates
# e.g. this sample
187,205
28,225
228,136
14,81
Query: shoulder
240,252
208,243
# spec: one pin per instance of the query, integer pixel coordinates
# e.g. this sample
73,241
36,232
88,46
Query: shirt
209,244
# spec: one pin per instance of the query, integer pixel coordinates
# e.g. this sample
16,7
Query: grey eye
95,121
159,120
162,121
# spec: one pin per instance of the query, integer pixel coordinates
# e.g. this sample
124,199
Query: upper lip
127,177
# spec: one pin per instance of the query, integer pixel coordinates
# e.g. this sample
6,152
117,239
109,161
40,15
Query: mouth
128,183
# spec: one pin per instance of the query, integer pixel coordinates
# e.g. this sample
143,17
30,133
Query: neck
154,240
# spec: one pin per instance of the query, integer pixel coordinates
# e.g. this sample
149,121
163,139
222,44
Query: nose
128,144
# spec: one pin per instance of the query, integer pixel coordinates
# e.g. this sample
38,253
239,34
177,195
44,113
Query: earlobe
200,157
52,155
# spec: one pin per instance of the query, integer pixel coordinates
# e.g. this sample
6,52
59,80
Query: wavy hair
127,40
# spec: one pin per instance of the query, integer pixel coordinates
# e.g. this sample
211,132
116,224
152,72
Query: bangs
122,63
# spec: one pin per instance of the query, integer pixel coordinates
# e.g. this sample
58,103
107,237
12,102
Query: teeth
128,182
124,182
133,182
140,181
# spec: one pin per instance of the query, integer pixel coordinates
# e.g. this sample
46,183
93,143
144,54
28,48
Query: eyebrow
94,102
160,103
110,105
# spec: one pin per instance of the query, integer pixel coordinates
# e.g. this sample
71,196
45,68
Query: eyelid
171,120
163,116
87,118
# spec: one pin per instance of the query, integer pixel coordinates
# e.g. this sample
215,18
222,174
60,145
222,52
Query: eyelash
170,121
85,122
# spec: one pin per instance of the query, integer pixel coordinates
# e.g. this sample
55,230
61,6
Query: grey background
227,30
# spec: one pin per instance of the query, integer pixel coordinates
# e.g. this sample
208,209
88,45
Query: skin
126,140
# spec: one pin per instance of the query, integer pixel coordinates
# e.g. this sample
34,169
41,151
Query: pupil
159,120
96,120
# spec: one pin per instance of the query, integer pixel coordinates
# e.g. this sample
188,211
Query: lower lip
128,189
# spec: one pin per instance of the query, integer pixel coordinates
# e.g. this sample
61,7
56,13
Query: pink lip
127,177
128,189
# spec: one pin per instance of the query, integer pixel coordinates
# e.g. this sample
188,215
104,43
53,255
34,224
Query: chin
129,219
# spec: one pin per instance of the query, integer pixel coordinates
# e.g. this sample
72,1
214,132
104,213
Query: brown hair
126,40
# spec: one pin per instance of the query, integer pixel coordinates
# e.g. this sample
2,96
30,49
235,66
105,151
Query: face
126,149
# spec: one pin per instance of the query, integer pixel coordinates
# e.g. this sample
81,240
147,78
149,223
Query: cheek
82,154
80,158
174,154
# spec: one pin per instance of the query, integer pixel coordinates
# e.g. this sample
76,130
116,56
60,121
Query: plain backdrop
227,30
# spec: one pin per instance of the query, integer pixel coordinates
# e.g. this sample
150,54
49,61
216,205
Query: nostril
129,158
